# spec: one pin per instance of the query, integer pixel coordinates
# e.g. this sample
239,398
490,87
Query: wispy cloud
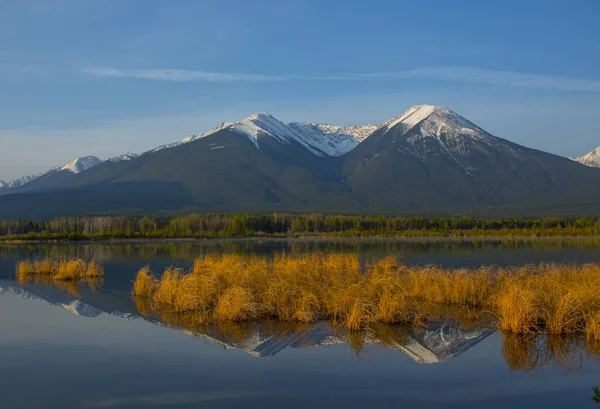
450,74
482,76
179,75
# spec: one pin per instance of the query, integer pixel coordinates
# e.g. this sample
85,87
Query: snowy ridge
20,181
591,159
124,157
320,139
216,129
81,164
331,139
190,138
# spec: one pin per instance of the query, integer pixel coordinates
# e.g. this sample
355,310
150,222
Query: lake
64,346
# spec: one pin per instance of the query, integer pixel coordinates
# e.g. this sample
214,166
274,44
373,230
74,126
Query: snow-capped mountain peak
260,124
81,164
411,116
432,116
591,159
426,131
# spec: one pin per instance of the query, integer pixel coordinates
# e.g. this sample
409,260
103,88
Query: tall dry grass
551,298
59,269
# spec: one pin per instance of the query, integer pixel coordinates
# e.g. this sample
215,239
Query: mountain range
428,160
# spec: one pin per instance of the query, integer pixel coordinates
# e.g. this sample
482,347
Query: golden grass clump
516,308
93,270
556,299
551,298
145,283
70,270
24,270
59,269
46,266
463,287
168,287
236,304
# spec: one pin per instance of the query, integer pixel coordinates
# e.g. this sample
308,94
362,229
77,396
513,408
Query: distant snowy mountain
591,159
81,164
20,181
76,166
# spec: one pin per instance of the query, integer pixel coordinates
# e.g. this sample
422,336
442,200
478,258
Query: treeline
279,224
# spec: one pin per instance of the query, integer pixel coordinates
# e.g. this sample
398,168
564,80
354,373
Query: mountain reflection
433,343
443,339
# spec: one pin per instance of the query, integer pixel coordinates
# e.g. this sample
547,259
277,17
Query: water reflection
529,353
449,335
188,250
69,287
434,343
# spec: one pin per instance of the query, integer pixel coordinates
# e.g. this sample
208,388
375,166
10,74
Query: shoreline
300,238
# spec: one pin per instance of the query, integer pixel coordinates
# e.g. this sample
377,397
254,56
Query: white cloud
450,74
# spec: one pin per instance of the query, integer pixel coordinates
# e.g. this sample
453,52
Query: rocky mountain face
428,160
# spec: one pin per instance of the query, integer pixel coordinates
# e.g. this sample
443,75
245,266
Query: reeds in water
551,298
59,269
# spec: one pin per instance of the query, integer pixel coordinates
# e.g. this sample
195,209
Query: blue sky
102,77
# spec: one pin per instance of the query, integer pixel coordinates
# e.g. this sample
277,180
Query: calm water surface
72,347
